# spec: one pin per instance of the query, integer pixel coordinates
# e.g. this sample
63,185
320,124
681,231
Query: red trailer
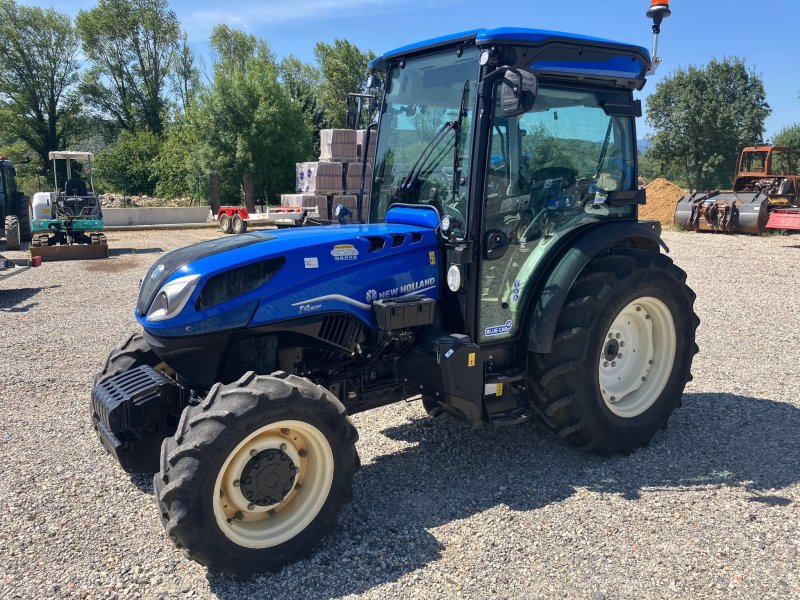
235,219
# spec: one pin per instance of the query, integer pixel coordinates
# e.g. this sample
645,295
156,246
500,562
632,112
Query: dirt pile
120,201
662,196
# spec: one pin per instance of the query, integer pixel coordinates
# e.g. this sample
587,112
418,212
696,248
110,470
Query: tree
790,136
177,169
302,82
246,120
702,117
184,78
128,166
38,77
132,45
344,70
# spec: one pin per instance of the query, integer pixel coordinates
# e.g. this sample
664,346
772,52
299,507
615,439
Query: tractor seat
75,187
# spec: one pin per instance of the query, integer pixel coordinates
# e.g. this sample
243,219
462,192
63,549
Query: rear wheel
239,224
257,473
13,239
225,223
622,353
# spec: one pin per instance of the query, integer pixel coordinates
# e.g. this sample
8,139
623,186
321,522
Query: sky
697,31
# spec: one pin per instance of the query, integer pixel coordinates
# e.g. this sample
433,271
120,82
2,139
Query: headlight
172,297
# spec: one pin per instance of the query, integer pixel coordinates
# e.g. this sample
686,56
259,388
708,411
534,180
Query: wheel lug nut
613,398
283,446
239,516
251,506
622,344
644,378
236,483
253,452
619,355
647,317
638,309
611,336
285,431
303,453
614,363
605,364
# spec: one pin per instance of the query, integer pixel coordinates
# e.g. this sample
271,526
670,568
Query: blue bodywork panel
335,269
509,35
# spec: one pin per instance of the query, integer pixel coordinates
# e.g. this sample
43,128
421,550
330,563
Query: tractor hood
261,278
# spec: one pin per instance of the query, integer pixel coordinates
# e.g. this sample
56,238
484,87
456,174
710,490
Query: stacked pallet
336,177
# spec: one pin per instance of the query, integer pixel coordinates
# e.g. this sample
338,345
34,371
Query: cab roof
616,62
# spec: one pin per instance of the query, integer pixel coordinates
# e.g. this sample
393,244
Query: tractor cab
67,222
518,139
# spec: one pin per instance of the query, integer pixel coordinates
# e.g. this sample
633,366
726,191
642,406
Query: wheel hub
268,477
611,350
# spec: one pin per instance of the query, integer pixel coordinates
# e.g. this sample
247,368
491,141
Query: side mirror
518,92
495,244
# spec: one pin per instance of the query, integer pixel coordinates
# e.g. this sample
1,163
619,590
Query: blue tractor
502,275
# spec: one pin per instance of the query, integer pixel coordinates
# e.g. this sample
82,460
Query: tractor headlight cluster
171,298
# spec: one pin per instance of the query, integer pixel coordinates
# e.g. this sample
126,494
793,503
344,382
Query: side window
550,171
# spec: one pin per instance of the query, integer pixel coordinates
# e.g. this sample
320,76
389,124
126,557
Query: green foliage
38,76
344,70
790,136
246,120
302,83
132,45
648,168
127,167
177,169
702,117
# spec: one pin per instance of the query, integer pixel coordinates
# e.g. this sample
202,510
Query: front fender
551,295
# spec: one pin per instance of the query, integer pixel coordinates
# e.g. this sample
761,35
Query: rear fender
550,296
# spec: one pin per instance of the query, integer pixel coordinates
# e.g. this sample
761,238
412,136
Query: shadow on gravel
452,472
112,252
11,301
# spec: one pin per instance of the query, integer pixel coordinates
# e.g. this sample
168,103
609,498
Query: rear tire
239,224
225,223
621,355
13,239
215,494
135,352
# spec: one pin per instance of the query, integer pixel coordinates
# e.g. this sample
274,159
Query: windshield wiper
410,179
413,175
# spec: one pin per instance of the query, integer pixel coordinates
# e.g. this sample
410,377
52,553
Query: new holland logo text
403,290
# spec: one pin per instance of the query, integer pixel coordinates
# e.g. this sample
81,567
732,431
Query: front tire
135,352
13,238
621,355
256,474
25,231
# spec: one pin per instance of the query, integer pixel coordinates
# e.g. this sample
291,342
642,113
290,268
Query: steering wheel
567,174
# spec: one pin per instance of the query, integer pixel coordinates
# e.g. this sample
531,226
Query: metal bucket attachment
728,212
785,219
72,252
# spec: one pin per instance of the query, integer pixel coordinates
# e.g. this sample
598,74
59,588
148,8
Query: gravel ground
710,509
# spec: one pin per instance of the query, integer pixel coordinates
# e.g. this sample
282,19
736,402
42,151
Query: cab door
549,171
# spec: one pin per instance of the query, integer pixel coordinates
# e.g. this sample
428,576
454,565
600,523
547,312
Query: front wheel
13,236
622,353
256,474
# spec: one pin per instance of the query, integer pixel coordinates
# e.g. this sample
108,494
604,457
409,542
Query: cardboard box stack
336,177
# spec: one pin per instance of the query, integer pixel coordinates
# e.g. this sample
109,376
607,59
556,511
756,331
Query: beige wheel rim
254,525
637,356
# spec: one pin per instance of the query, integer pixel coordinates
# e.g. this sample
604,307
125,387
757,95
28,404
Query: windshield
412,166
